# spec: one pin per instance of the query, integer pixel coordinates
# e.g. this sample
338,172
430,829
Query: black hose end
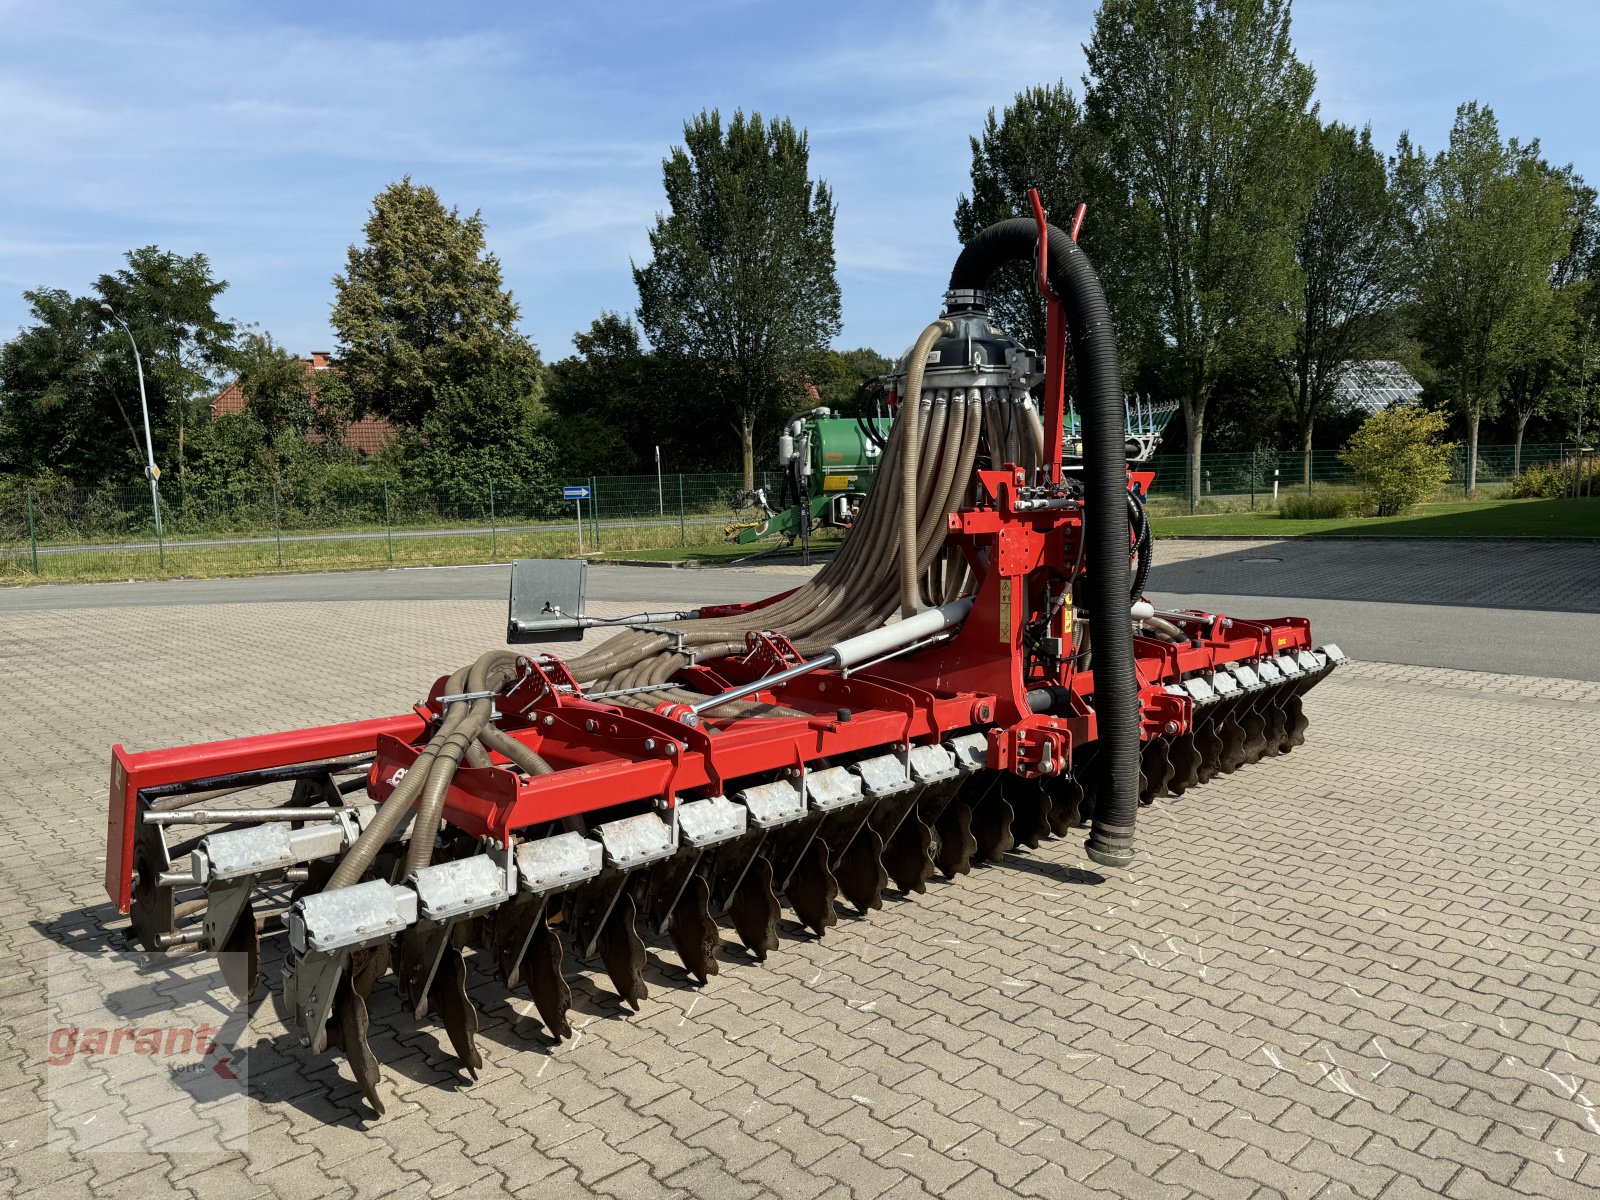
1110,853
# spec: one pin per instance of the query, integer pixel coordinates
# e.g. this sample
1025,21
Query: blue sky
259,133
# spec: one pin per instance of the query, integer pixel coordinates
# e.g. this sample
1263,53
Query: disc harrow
974,674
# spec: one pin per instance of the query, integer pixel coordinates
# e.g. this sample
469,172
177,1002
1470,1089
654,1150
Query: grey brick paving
1364,969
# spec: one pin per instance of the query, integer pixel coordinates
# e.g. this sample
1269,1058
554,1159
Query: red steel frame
607,754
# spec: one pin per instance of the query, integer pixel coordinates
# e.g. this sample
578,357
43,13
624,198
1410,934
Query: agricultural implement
827,465
974,671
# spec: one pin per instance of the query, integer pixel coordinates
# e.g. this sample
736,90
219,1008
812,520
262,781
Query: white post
578,504
661,500
151,471
1274,485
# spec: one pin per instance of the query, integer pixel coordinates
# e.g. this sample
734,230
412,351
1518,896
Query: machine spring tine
790,848
241,956
447,996
421,955
991,829
693,930
347,1027
590,908
541,967
860,872
348,1031
908,856
812,889
622,952
754,909
729,866
1065,794
956,843
844,829
667,888
1028,804
508,933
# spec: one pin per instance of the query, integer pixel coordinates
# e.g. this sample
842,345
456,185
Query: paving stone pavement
1526,575
1362,969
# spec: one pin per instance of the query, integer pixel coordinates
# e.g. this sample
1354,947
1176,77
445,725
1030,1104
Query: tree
1398,459
276,387
1486,220
287,403
484,429
420,307
1577,276
69,389
740,284
1202,116
1039,141
849,382
601,400
1543,346
1352,272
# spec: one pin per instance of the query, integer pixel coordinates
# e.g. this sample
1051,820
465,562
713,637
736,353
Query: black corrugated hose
1099,375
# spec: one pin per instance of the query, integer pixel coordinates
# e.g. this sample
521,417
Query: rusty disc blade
693,930
908,856
541,968
860,870
754,909
448,998
813,890
241,956
622,952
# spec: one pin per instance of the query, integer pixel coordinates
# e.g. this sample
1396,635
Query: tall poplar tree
1352,273
1487,220
1038,141
1202,116
740,285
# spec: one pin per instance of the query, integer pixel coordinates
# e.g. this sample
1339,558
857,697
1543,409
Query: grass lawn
333,554
1461,519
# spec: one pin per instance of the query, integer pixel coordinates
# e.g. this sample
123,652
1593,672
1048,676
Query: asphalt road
653,586
1518,608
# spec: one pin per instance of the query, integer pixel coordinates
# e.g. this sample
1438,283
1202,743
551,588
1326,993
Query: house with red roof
366,437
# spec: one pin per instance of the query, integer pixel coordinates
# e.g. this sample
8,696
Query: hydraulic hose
485,675
495,738
395,809
1094,347
910,412
1140,520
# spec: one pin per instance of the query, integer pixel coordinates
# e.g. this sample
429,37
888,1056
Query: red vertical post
1053,398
